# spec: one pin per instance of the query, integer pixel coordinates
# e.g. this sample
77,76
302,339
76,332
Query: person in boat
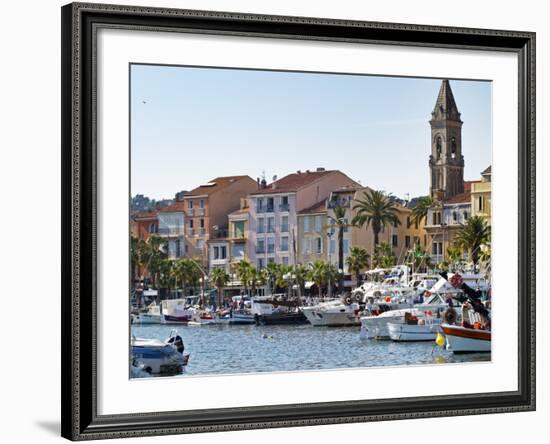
470,296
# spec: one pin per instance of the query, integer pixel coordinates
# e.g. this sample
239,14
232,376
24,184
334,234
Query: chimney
319,169
258,182
263,183
298,172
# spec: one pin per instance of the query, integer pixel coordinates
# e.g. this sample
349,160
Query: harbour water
227,349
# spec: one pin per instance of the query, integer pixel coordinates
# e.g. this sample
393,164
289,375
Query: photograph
292,221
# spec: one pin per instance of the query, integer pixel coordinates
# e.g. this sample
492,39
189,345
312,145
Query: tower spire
445,105
446,159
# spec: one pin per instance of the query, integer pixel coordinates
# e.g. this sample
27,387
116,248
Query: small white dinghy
466,340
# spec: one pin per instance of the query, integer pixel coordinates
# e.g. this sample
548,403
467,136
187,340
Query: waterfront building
444,220
142,225
206,210
238,233
312,234
274,209
171,227
481,196
402,237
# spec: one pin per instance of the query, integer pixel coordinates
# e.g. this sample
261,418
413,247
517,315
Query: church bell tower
446,159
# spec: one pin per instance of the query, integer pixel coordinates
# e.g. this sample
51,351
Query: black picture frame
79,172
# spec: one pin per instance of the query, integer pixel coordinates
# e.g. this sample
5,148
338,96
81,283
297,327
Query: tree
271,272
376,209
454,254
420,210
220,279
257,279
383,256
300,275
357,261
472,236
318,274
184,271
339,222
166,276
243,270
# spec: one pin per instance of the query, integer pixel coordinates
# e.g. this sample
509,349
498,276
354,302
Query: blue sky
200,123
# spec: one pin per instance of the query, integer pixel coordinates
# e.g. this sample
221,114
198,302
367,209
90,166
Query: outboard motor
177,343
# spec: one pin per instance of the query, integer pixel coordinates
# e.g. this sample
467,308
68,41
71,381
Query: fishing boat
461,339
414,329
176,312
277,309
333,313
156,357
151,316
237,316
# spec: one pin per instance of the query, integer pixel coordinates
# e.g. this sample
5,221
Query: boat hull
413,333
176,319
281,319
321,318
466,340
146,318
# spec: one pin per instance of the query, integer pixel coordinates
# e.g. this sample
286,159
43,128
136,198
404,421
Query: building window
216,254
260,263
190,204
200,244
306,224
346,246
261,246
407,241
434,218
271,245
438,147
332,246
394,240
395,223
223,252
284,224
191,223
319,245
408,222
453,148
202,223
318,222
178,247
269,204
261,225
238,229
480,203
284,243
455,216
466,215
201,203
259,205
271,225
284,203
416,240
152,228
285,261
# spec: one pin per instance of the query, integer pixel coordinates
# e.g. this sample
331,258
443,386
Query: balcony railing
260,250
190,232
270,249
261,229
202,231
171,231
284,207
271,229
201,212
284,247
190,212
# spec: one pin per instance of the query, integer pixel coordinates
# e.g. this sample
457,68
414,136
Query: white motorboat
466,340
333,313
417,330
176,311
159,358
151,316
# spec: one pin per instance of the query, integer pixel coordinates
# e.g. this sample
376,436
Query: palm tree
271,272
383,256
257,278
454,254
420,210
243,270
340,223
153,256
376,209
475,233
420,259
166,274
357,261
220,279
183,269
318,274
300,273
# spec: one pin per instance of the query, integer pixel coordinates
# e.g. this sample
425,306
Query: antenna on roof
274,178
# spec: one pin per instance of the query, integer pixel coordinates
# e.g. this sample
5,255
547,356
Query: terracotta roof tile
463,197
293,182
176,207
319,207
216,185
